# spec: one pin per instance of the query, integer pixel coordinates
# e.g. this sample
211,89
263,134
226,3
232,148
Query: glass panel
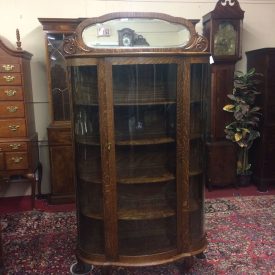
145,130
88,158
58,78
136,32
198,126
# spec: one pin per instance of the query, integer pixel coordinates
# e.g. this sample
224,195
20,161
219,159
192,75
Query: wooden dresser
19,157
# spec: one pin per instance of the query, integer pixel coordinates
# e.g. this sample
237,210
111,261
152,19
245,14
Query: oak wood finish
263,60
139,194
19,155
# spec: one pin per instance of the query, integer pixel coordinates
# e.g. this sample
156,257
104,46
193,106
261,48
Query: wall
258,32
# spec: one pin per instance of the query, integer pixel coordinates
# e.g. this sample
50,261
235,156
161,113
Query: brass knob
10,92
109,145
15,146
9,78
8,67
13,127
12,109
16,159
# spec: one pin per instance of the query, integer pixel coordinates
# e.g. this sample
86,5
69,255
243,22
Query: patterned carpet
240,232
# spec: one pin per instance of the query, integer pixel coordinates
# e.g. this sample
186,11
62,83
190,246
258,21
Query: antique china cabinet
139,102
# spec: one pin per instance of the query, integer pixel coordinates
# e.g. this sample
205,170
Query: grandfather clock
223,28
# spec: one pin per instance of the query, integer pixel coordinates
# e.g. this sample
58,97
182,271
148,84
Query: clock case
221,153
225,12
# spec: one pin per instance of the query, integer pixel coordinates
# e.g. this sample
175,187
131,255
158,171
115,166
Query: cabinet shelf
135,214
145,102
144,179
148,141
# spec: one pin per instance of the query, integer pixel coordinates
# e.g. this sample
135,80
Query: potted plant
244,129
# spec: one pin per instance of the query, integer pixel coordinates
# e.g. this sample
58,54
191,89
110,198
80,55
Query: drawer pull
9,78
15,146
13,127
12,109
8,67
17,159
10,92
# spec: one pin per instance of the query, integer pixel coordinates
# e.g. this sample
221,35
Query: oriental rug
240,232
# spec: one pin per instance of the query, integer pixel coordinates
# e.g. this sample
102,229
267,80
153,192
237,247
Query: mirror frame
74,44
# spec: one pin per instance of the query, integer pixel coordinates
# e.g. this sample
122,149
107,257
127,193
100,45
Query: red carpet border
240,232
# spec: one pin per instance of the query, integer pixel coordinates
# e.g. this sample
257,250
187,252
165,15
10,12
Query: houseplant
244,129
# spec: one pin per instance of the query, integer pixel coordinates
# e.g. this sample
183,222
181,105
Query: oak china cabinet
19,157
139,84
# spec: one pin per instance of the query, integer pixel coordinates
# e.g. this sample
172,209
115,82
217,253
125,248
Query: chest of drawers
19,157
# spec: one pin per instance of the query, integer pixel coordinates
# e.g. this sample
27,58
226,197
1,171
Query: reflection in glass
58,74
145,33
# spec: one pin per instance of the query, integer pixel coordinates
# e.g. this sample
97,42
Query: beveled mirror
135,31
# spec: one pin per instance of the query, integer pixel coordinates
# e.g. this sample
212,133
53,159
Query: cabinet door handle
8,67
15,146
17,159
10,92
12,109
13,127
9,78
109,145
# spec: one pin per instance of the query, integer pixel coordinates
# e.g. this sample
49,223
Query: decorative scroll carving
70,45
230,7
200,43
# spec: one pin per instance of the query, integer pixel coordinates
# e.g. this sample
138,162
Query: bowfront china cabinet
139,98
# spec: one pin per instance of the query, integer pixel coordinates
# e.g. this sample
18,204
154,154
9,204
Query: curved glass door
88,158
144,97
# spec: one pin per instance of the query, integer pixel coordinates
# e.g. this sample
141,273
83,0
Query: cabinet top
134,32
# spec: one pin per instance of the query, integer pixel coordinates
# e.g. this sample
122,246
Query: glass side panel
198,127
88,158
58,77
145,132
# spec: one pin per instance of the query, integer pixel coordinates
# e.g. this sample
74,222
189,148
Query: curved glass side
198,126
88,158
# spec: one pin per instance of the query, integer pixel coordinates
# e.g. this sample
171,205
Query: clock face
126,40
225,40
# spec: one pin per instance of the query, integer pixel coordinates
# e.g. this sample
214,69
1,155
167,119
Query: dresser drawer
10,79
2,167
12,109
11,93
10,67
12,127
13,146
16,161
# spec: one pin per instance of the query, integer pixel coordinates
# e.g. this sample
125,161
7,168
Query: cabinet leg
185,264
201,256
80,268
39,174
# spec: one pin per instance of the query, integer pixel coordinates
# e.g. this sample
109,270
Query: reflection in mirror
136,32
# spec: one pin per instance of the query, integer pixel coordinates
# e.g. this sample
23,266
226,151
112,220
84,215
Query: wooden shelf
147,102
144,179
135,214
148,141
